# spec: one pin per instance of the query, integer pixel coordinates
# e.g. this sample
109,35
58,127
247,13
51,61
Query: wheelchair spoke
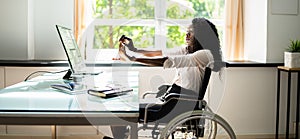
198,125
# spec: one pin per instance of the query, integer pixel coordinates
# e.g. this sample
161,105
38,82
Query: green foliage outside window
176,36
104,39
124,9
143,36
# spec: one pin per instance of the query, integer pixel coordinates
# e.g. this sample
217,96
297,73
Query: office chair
183,114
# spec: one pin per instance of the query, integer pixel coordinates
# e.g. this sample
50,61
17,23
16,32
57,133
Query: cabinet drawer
2,77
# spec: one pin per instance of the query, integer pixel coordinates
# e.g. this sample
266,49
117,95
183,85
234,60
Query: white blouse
190,67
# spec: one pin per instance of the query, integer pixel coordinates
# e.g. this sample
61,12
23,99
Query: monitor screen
76,61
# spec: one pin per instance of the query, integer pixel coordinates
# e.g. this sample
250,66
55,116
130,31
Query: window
152,24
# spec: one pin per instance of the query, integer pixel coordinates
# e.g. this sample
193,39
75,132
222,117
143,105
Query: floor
100,137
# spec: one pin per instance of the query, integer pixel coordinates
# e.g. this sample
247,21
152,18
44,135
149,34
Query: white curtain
234,30
83,24
79,18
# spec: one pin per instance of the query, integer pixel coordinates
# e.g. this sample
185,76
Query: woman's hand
123,55
128,43
149,61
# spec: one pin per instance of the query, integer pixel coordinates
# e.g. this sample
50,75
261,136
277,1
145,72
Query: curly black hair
207,37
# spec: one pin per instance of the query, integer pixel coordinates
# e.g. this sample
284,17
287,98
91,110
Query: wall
14,29
282,27
249,100
47,14
28,28
268,30
255,29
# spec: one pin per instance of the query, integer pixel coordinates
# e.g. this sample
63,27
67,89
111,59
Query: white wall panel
14,29
47,14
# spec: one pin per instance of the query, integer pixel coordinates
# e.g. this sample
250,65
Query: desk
289,71
34,103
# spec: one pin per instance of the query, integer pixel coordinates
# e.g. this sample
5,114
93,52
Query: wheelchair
182,116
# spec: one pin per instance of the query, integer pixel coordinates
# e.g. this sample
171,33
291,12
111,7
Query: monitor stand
68,75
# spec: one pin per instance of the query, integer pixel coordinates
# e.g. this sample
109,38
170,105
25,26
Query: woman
202,50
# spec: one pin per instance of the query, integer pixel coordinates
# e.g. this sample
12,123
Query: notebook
75,59
108,93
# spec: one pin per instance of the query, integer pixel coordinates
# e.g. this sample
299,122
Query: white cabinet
2,79
45,130
15,75
76,130
28,130
2,82
2,129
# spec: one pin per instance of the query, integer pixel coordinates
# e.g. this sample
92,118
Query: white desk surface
35,99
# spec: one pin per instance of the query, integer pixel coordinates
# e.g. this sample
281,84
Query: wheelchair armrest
180,96
148,93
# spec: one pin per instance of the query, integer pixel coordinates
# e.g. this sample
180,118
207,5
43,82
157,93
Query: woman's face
189,38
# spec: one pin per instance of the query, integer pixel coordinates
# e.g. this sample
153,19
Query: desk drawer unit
2,78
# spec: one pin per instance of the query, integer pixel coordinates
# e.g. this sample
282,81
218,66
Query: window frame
160,22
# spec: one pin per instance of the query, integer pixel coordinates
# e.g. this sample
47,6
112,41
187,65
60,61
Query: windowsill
115,63
34,63
248,63
63,63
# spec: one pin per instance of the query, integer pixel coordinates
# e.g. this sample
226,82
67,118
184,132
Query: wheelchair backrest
205,81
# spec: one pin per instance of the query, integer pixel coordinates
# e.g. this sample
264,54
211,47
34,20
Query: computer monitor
75,59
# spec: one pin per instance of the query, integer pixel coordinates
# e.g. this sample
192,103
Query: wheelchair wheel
198,124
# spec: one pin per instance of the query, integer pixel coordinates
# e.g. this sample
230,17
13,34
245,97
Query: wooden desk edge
288,69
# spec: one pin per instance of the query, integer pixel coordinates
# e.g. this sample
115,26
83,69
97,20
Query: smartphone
124,39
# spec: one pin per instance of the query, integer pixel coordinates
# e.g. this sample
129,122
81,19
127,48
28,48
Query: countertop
64,63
